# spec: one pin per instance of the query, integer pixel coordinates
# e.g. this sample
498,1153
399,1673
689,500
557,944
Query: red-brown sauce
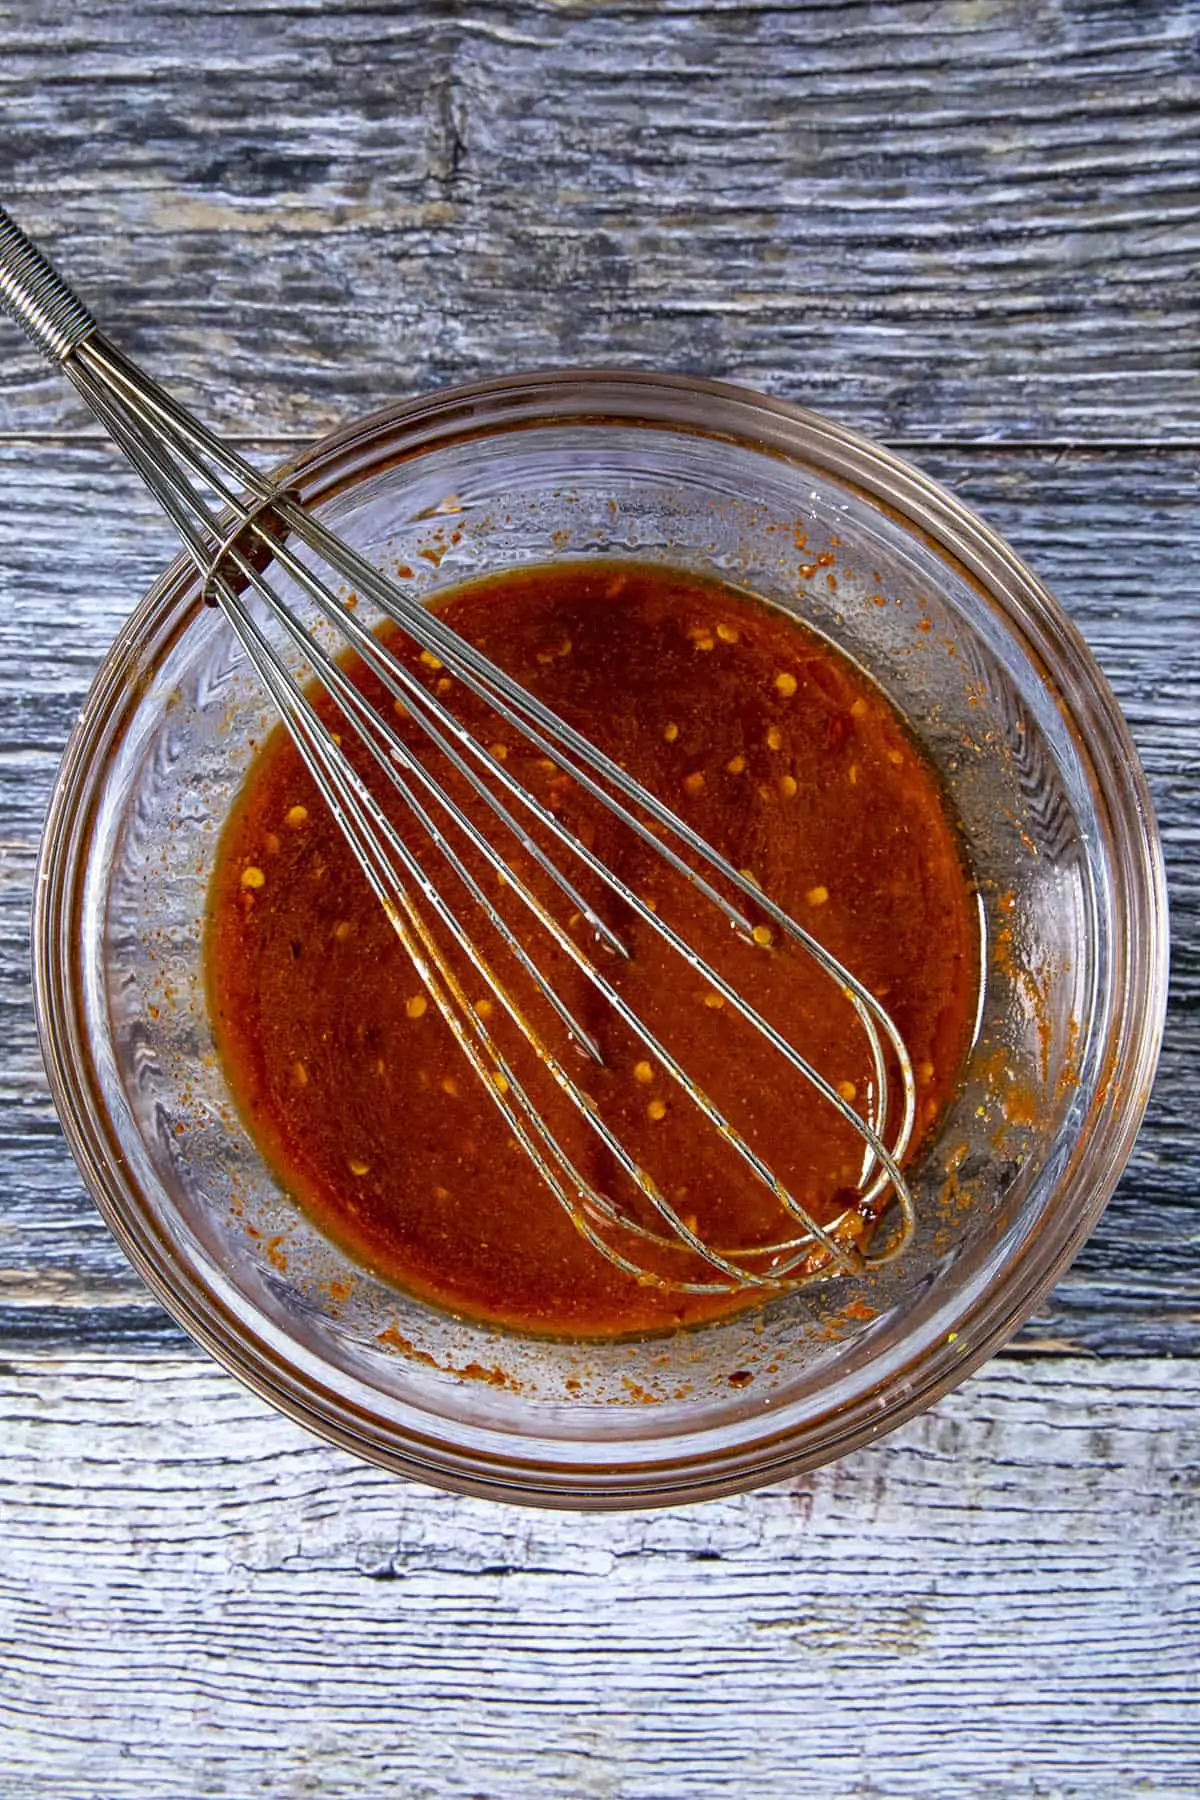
781,754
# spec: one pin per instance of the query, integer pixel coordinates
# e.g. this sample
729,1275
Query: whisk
254,546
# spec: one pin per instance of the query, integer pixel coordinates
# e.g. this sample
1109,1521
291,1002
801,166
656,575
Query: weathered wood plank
976,220
1002,1599
1125,572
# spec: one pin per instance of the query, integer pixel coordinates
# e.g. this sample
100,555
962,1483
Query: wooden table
969,229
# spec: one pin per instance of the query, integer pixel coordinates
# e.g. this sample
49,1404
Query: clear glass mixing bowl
1012,709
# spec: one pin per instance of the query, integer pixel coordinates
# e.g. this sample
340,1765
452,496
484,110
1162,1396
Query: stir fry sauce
779,753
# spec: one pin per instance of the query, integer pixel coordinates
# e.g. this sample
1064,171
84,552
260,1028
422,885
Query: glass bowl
1008,703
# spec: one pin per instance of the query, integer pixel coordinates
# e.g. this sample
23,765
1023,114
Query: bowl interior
167,736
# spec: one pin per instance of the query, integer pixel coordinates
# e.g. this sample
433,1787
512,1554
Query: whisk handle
36,296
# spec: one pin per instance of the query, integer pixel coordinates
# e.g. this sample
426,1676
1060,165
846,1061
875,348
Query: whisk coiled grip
37,297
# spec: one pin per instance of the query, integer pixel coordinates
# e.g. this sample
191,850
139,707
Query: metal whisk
239,527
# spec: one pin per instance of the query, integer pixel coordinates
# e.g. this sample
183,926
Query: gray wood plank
1001,1600
77,545
933,220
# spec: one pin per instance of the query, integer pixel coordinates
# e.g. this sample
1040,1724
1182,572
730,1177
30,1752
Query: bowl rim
1105,1136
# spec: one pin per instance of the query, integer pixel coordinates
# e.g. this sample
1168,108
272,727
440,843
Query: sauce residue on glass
780,753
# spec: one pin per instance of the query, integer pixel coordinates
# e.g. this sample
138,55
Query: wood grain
198,1599
973,220
1125,573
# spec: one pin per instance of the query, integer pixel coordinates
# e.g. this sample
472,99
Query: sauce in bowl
779,752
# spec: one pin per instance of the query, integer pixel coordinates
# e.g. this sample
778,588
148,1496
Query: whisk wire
365,825
235,524
271,507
